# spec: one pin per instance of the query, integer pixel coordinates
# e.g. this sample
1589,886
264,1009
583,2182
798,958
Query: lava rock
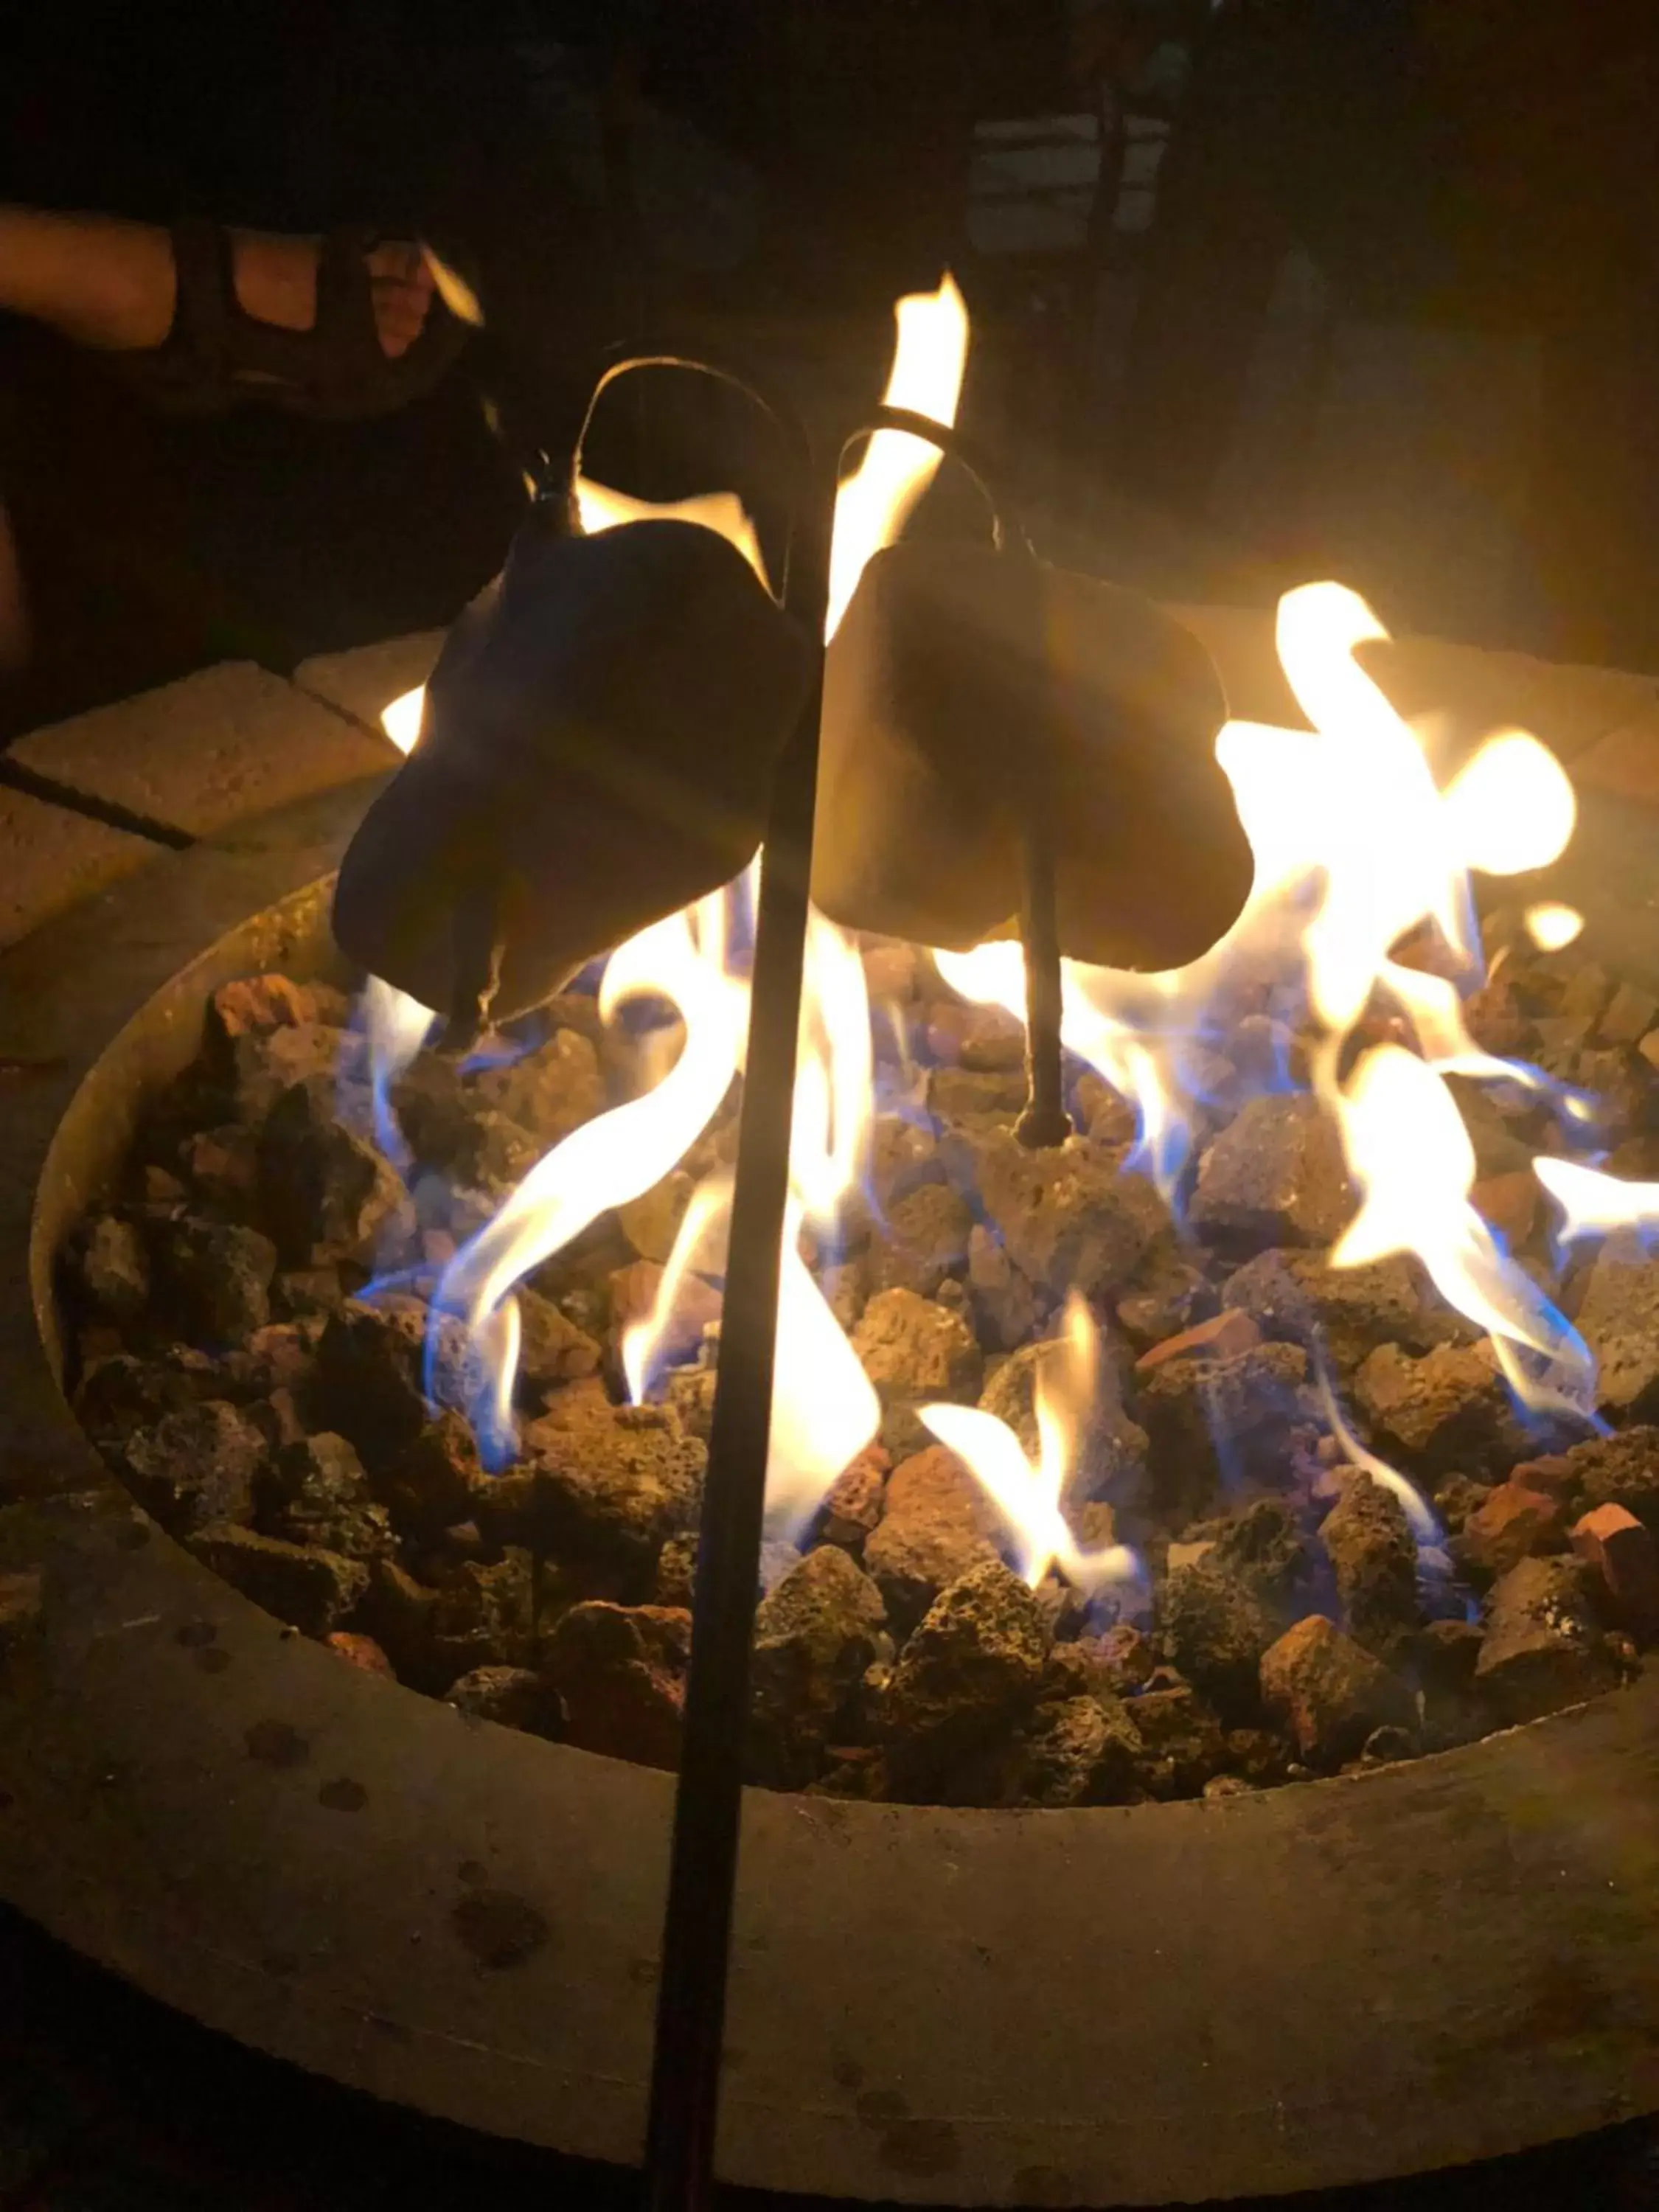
972,1668
222,1167
1003,1303
324,1193
1619,1318
962,1098
853,1505
435,1480
1274,1175
697,1304
815,1632
1622,1469
1170,1295
552,1350
1368,1542
992,1040
495,1156
214,1277
321,1495
485,1615
603,1483
514,1697
548,1093
22,1597
903,1159
925,1239
1621,1555
1330,1692
1108,1455
113,1268
1511,1522
279,1356
307,1293
1203,1414
914,1351
123,1392
400,1613
1542,1651
312,1589
620,1675
1079,1751
891,969
1450,1409
677,1571
370,1378
1067,1220
252,1071
1181,1740
196,1467
1223,1336
652,1221
936,1523
1346,1312
689,1397
1216,1627
1262,1544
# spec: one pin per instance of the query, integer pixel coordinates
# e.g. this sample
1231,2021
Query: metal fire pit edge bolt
684,2100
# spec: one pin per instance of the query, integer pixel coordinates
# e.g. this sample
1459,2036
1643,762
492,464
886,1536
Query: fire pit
410,1354
1456,1956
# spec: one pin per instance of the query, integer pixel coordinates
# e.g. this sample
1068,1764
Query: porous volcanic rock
620,1673
1331,1692
973,1665
1274,1175
914,1350
815,1632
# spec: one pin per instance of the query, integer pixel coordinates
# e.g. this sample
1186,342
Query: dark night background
1396,254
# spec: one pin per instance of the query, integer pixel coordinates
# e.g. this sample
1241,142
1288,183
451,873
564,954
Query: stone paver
204,752
49,858
363,680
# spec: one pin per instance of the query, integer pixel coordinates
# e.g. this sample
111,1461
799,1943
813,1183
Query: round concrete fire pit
1326,1983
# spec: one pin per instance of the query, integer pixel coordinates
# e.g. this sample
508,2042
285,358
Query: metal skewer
697,1924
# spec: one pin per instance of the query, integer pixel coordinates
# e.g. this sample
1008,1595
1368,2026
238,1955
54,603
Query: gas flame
723,512
1594,1204
1027,1493
874,503
824,1408
618,1156
400,717
1552,926
395,1027
1357,847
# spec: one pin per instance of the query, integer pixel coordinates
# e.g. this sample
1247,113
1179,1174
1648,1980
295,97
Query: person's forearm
102,280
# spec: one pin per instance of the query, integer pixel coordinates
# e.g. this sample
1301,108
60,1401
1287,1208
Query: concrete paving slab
363,680
49,858
202,753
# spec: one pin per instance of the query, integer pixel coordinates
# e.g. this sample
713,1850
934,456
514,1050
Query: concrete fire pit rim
874,1943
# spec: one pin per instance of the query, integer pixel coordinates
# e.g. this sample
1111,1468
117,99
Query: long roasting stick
702,1869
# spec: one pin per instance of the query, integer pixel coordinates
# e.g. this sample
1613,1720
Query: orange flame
1028,1494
